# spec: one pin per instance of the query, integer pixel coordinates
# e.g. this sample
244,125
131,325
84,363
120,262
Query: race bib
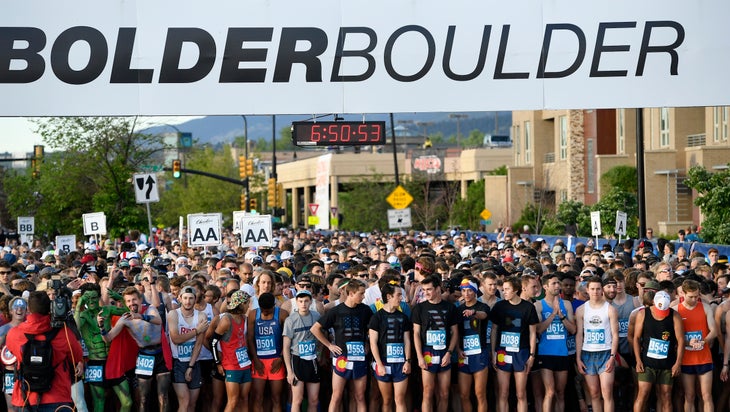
307,350
436,339
355,351
145,365
94,374
185,351
623,328
489,332
595,337
395,353
9,382
510,341
472,345
555,331
688,336
658,349
265,345
84,348
242,357
570,343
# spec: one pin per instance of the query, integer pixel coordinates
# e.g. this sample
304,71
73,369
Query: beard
134,308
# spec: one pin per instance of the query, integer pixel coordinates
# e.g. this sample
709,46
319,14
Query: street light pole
458,118
245,154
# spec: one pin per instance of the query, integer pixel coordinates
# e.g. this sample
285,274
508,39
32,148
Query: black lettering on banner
35,65
170,71
234,54
669,49
121,68
198,235
549,29
481,60
430,56
288,55
253,237
601,48
60,54
364,53
66,248
94,226
499,67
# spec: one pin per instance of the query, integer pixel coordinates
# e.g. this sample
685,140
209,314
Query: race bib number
658,349
395,353
436,339
623,328
242,357
185,351
94,374
688,336
555,331
307,350
9,382
570,343
472,345
595,337
84,348
355,351
489,332
265,345
510,341
145,365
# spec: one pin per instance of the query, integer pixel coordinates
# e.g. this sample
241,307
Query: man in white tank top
597,344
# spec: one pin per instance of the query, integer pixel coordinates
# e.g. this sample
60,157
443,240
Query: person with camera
44,382
15,309
88,315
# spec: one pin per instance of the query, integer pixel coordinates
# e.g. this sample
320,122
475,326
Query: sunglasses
304,285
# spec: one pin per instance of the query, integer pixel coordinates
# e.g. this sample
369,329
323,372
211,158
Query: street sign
256,231
313,208
26,225
313,220
486,214
66,243
596,223
620,223
94,223
145,188
333,211
204,229
399,198
399,218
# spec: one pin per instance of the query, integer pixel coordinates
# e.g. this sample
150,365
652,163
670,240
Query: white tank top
204,352
183,351
596,328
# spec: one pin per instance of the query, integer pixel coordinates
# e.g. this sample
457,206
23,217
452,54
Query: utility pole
458,118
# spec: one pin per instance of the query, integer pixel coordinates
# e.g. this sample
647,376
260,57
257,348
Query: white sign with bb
145,188
256,231
399,218
204,229
66,243
26,225
94,223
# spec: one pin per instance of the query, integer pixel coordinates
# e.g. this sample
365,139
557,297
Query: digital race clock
338,133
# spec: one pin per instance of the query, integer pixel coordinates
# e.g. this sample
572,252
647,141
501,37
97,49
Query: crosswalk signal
249,167
253,204
272,192
176,172
242,169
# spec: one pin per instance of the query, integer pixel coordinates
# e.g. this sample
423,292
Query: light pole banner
185,57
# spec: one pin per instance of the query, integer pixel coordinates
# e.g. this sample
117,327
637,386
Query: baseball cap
652,285
271,258
238,298
303,293
609,255
661,302
285,255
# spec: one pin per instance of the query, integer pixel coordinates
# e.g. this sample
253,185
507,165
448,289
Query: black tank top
659,343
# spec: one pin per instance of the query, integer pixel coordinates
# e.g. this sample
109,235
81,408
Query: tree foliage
624,178
713,191
465,212
611,202
362,203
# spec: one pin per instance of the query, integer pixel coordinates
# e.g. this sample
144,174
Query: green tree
362,203
500,171
475,139
713,191
624,178
430,198
617,200
574,213
465,212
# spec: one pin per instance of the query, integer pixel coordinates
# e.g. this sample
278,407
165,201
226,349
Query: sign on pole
313,209
204,229
486,214
620,223
94,223
399,198
399,218
145,188
237,216
256,231
66,243
26,225
596,223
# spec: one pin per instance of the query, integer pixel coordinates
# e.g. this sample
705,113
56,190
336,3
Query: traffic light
249,167
253,204
243,201
272,192
280,195
242,169
176,169
36,160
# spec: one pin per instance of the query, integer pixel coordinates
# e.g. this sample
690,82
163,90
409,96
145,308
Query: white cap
662,301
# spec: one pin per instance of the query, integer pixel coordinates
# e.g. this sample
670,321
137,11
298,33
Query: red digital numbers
316,135
338,133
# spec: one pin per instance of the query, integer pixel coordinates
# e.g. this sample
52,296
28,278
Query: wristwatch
562,318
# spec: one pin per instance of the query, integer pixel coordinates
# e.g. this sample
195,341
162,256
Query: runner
473,350
265,325
300,349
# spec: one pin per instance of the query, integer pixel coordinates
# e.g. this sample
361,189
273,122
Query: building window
517,138
664,127
563,137
591,165
725,119
716,115
563,195
528,144
621,131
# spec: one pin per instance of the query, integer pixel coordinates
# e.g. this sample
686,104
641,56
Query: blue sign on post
186,140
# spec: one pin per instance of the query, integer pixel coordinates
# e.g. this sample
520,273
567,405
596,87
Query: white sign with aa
399,218
204,229
26,225
94,223
596,223
256,231
65,244
620,223
237,216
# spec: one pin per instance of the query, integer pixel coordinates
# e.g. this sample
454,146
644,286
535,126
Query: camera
61,303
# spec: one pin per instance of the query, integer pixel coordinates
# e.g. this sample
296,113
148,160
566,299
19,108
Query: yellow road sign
399,198
486,214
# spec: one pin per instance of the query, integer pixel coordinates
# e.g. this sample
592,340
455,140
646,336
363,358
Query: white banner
256,231
66,243
322,191
94,223
186,57
204,229
26,225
